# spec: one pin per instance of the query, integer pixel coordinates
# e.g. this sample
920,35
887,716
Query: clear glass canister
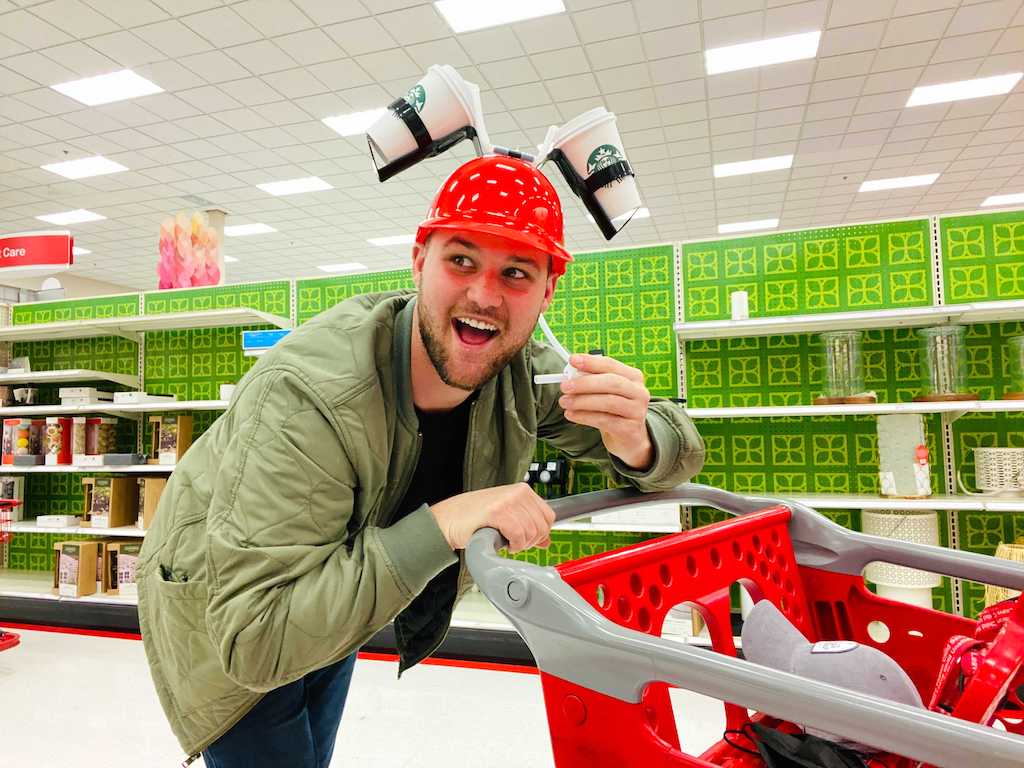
943,360
1015,387
107,437
843,368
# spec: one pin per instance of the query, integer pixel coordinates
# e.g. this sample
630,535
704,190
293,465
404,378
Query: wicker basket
1015,553
999,470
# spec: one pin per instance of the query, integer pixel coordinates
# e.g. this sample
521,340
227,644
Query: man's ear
419,255
549,291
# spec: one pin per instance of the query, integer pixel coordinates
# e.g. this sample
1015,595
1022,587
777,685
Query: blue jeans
294,725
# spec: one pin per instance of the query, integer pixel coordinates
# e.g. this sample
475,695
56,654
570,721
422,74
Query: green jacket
272,552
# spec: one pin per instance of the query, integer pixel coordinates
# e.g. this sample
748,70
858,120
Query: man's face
479,298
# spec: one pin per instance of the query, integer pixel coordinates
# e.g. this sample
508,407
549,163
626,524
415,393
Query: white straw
546,330
548,378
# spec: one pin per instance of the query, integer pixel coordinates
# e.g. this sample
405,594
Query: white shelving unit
132,327
138,469
69,377
768,411
39,586
114,408
911,317
126,531
617,527
937,501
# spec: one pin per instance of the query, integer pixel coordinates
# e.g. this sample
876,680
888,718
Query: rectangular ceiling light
71,217
777,163
898,183
230,260
353,123
467,15
1014,199
348,266
84,168
761,53
240,230
295,186
747,226
964,89
392,240
76,251
104,89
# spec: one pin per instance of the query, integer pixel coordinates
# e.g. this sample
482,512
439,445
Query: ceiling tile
794,19
415,25
208,98
658,14
361,36
732,105
733,83
624,78
569,61
914,29
518,96
282,113
916,54
325,12
172,38
681,93
671,42
1012,41
311,46
340,74
12,82
126,49
128,15
492,45
261,57
849,65
685,67
786,116
983,17
390,65
846,12
39,68
448,51
509,72
616,53
71,16
80,59
784,97
272,17
950,71
884,82
712,9
842,88
170,75
547,33
295,83
631,101
605,23
733,30
224,27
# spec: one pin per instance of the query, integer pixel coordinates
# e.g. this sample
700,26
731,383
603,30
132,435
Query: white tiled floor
80,700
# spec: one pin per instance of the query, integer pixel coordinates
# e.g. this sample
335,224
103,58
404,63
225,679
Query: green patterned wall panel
863,267
983,257
126,305
316,295
982,532
273,297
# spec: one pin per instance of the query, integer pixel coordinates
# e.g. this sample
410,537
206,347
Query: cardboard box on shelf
172,436
122,556
74,572
110,502
150,490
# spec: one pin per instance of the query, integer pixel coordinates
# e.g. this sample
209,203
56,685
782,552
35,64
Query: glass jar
1015,386
107,438
843,368
943,362
78,436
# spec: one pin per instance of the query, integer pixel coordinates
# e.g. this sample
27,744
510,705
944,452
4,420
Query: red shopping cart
594,627
7,639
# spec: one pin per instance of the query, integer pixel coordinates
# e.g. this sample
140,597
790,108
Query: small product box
78,429
122,558
172,436
10,427
150,490
136,398
75,568
84,396
110,502
57,440
57,521
13,487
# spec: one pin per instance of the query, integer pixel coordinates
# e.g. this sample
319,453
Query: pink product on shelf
92,436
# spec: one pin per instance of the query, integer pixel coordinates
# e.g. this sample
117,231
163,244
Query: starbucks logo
417,97
602,157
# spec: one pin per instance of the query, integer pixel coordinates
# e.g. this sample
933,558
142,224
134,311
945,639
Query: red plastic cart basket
594,628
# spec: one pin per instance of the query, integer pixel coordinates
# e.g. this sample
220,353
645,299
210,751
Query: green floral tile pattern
983,257
314,296
572,545
273,297
126,305
982,532
863,267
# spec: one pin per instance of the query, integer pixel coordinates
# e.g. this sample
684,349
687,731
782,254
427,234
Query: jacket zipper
385,519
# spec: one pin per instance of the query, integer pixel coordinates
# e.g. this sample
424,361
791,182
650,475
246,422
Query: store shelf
142,469
618,527
971,406
127,531
871,501
132,327
69,377
910,317
114,408
38,585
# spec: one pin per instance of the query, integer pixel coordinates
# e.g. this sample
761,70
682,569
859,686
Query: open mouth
474,332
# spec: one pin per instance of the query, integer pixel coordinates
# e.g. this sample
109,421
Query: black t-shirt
438,476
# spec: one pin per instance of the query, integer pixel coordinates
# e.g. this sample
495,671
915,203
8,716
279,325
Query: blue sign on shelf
258,342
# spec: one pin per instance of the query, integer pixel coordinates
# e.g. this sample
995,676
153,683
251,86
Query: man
355,462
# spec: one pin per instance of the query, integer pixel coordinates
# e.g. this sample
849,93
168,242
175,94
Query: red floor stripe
465,664
72,631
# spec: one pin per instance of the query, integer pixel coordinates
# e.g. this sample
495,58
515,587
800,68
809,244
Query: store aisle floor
75,699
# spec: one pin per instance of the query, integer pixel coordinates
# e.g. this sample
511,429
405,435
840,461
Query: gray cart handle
572,641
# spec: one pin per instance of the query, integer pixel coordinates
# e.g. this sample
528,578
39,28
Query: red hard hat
501,196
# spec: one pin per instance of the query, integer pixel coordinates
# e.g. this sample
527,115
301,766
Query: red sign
36,252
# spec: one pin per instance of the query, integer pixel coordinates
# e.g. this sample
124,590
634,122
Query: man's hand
614,400
522,517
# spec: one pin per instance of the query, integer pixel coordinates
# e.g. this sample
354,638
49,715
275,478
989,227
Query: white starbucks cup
590,142
443,101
